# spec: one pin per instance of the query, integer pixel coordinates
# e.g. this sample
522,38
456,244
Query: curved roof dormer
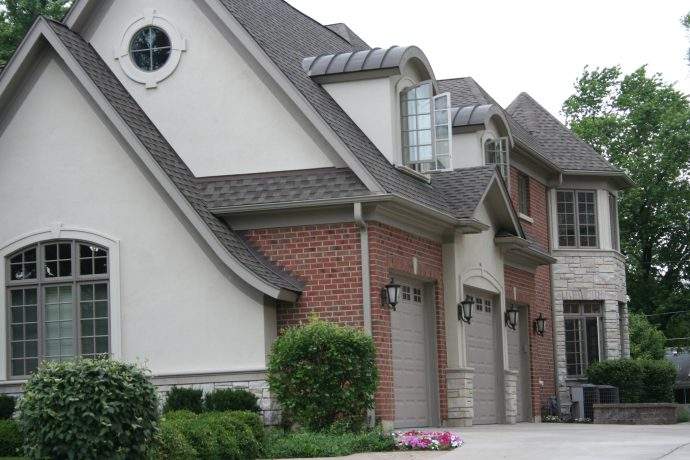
376,62
475,117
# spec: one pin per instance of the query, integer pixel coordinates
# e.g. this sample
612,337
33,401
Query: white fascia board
506,199
42,29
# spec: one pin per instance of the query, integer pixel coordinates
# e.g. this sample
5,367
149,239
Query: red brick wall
534,289
328,259
393,251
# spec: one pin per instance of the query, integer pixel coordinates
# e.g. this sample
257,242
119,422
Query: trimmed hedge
325,444
226,435
10,438
322,373
231,399
638,381
7,404
89,409
184,399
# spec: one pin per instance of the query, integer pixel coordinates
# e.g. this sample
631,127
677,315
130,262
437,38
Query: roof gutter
622,177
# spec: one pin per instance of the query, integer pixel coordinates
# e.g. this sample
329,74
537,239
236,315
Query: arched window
58,303
496,153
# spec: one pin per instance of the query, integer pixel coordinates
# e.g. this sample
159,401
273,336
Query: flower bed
427,440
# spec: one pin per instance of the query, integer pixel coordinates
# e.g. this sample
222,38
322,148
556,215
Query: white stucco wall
468,148
221,114
181,310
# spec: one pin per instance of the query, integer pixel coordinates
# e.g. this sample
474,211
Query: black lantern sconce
465,309
540,325
511,317
391,294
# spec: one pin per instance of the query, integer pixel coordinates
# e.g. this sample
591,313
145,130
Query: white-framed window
523,194
426,128
583,335
613,215
576,211
496,153
58,303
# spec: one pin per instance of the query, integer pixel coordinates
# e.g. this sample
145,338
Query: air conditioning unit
584,396
608,395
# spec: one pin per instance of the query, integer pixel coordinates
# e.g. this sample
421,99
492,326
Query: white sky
536,46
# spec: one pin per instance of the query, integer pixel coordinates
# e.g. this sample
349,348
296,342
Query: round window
150,48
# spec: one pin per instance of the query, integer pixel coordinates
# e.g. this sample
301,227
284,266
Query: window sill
411,172
525,217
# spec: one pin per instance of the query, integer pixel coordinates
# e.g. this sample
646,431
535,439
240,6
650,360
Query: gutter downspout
366,278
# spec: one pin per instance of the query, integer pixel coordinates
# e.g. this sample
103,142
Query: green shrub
172,444
322,373
218,435
10,438
230,399
7,404
184,399
658,380
89,409
306,444
683,416
626,374
253,421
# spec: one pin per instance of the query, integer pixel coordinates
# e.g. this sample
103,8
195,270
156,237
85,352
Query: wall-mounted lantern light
540,325
511,317
391,294
465,309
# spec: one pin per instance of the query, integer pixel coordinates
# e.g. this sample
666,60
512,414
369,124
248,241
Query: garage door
481,355
410,359
518,353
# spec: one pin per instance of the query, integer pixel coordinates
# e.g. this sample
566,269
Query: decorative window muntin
496,153
576,211
150,48
583,335
426,129
46,315
523,194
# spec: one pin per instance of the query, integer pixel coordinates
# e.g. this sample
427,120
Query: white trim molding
177,43
60,231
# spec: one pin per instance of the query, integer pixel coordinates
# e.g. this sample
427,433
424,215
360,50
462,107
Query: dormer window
426,129
496,153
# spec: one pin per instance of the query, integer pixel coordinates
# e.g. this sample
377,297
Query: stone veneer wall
589,275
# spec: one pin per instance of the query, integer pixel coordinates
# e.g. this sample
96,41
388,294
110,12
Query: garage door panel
481,353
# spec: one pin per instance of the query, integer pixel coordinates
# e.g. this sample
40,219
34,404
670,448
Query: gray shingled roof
464,188
357,61
123,103
281,187
566,149
287,36
348,34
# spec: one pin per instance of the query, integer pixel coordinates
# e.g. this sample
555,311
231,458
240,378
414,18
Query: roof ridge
333,32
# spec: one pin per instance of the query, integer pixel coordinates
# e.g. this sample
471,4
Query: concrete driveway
562,442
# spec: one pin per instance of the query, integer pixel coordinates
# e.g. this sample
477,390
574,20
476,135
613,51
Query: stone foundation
636,414
460,397
511,380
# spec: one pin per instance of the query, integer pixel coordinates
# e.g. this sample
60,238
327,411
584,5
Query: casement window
57,304
496,153
613,215
426,129
577,218
523,193
583,335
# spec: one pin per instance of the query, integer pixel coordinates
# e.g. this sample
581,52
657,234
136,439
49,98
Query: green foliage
17,16
172,444
230,399
638,381
686,23
89,409
216,434
640,123
683,416
322,373
7,404
252,420
10,438
305,444
646,340
626,374
658,379
184,399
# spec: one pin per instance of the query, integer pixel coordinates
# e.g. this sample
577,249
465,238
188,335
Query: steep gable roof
568,151
109,92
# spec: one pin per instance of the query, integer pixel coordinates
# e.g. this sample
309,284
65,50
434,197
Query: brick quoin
327,258
534,289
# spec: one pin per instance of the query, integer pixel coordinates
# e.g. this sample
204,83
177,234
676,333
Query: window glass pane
50,252
523,194
94,319
23,331
565,209
573,351
592,340
59,331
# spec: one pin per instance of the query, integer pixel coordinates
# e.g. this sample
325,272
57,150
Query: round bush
322,373
252,420
184,399
658,380
626,374
89,409
172,444
10,438
229,399
7,404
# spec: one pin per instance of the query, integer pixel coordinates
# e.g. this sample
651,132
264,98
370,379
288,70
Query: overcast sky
536,46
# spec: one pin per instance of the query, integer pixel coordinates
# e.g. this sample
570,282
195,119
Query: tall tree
642,124
646,340
686,23
16,17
